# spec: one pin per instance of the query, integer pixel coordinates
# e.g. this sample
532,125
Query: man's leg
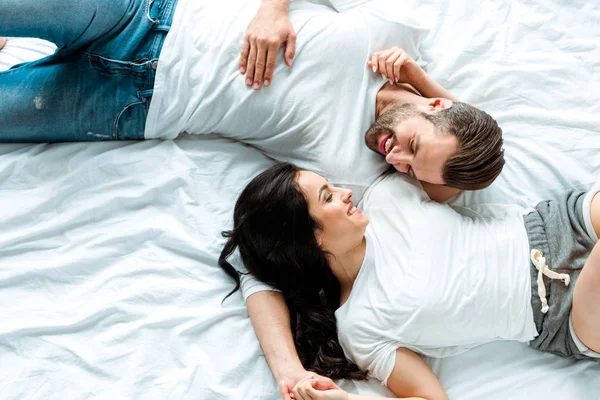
586,299
70,24
60,99
96,86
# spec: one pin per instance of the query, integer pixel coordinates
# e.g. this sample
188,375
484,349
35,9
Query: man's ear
439,104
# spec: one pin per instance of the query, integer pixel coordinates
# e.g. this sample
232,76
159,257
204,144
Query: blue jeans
99,82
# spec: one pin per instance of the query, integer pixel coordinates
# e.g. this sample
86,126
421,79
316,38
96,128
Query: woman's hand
396,65
267,32
307,389
319,383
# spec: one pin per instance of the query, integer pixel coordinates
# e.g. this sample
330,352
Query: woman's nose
347,195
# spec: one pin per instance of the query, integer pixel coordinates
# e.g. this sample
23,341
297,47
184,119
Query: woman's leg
586,299
2,42
70,24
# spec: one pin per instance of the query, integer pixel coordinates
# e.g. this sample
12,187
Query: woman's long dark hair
275,235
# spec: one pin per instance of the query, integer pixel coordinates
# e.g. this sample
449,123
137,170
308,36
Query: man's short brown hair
479,158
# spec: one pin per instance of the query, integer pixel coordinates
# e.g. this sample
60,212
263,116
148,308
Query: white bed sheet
108,279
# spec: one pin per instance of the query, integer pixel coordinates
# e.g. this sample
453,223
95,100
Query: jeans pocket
111,67
131,120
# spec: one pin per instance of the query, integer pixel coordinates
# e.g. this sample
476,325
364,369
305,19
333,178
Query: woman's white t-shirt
434,281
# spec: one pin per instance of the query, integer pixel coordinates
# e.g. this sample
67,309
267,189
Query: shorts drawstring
538,259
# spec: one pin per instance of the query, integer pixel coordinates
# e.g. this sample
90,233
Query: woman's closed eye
329,198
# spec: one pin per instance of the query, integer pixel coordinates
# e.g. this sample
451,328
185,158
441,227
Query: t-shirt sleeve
383,362
363,344
377,357
248,283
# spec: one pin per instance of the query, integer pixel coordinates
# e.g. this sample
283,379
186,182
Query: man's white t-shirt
434,281
314,114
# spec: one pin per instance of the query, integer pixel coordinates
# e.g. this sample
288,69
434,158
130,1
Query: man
131,69
311,115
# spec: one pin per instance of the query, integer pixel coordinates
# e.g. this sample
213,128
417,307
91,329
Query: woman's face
343,225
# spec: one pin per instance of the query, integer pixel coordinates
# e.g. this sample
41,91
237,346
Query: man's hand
320,383
396,65
267,32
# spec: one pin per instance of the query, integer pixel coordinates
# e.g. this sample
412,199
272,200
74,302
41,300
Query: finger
303,390
383,56
312,394
244,55
290,49
323,383
284,391
250,64
389,66
297,393
259,69
374,61
398,65
270,65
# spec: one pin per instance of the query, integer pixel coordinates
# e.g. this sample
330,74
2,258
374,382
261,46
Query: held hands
267,32
396,65
318,382
310,388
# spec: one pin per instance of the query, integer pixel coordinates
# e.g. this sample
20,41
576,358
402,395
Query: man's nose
397,158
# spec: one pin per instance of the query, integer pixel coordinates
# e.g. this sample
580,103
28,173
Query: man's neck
390,94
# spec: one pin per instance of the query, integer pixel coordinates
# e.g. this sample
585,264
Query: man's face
411,143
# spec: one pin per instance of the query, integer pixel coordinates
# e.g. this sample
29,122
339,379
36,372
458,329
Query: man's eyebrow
322,189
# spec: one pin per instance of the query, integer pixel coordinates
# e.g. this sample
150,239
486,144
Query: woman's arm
271,321
411,376
411,379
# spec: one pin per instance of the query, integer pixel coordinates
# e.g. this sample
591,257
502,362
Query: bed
108,278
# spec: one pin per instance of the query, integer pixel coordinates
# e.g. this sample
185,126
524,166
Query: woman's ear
319,238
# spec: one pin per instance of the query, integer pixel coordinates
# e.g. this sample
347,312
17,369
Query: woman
420,279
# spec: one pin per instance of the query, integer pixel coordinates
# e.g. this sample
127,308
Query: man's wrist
279,5
286,374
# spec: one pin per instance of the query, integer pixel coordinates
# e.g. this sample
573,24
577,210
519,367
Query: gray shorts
559,230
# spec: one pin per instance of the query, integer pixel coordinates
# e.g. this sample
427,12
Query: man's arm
428,87
267,32
396,65
271,321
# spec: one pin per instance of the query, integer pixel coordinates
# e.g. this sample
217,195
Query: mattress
108,277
